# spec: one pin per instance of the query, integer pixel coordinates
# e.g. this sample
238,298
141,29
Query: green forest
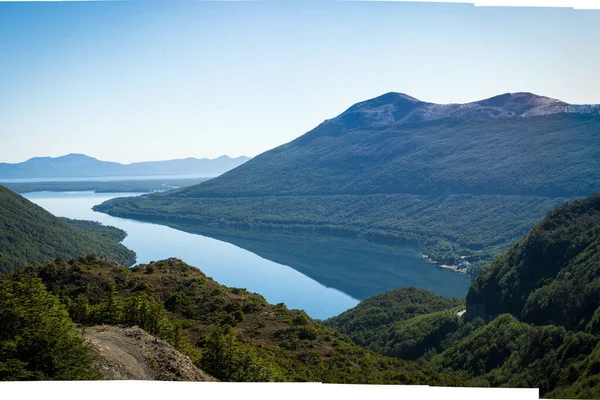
29,234
532,317
550,276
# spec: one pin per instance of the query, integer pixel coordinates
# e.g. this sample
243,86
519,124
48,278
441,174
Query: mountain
552,275
229,333
458,179
80,165
29,234
509,145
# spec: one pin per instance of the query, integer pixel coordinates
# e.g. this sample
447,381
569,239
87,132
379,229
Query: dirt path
133,354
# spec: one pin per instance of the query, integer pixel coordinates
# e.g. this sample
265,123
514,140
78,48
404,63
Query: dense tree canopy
552,275
29,234
38,340
549,282
368,322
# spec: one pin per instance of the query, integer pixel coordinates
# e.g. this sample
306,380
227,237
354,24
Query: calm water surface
321,275
224,262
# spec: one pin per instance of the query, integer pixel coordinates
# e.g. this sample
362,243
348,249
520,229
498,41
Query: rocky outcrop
133,354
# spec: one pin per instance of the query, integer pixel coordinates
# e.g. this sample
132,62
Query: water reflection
354,266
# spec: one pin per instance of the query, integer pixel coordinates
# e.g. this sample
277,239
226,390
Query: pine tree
112,307
38,340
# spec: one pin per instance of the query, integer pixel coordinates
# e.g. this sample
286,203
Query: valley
326,199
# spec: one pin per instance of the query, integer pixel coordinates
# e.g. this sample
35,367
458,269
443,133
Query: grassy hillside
29,234
230,333
455,179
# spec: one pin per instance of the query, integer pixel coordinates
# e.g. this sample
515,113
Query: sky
134,81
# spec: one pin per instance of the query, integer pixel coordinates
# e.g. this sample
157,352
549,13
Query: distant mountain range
453,179
80,165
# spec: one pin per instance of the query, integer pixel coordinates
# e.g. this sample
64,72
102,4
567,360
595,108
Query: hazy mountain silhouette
80,165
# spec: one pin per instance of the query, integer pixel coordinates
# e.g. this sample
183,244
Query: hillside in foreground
29,234
371,322
231,334
458,180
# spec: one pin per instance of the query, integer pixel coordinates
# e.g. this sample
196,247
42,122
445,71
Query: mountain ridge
394,107
81,165
452,133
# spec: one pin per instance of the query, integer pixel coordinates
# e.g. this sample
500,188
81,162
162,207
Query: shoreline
454,268
139,186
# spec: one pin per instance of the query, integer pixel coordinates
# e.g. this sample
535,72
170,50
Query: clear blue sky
132,81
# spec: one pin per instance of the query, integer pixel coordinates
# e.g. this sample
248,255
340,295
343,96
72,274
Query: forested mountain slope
552,275
29,234
549,280
392,145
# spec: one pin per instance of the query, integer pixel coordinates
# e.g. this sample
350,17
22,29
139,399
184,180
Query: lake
320,275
